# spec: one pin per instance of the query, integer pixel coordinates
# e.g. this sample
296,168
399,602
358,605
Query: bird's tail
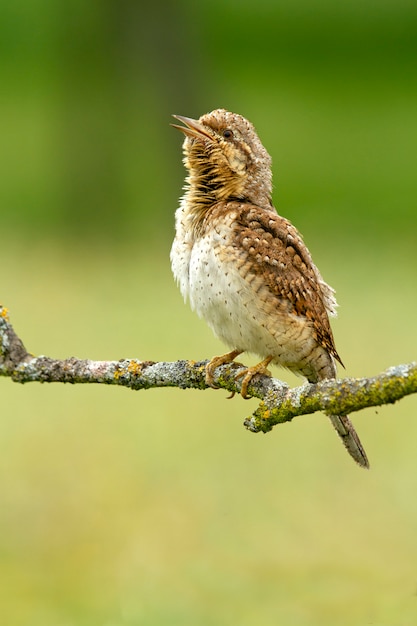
351,441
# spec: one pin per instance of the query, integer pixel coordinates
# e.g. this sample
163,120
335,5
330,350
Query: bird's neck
196,203
206,188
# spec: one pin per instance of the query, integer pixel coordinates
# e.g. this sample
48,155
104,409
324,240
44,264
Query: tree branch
279,403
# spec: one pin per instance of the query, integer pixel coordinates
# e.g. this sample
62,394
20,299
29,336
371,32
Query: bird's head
225,159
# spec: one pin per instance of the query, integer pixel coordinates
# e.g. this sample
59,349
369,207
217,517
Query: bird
244,268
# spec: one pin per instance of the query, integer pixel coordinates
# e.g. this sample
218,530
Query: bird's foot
250,372
216,361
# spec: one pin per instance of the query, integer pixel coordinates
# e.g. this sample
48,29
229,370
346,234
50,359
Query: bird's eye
227,133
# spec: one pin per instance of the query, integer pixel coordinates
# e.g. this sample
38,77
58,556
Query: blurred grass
158,507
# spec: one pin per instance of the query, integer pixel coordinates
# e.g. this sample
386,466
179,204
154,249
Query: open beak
192,128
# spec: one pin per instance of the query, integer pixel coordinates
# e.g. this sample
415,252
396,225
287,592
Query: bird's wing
276,250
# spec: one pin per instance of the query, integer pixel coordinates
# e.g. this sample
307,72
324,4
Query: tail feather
351,441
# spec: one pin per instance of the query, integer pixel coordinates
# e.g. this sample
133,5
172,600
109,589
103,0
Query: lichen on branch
279,403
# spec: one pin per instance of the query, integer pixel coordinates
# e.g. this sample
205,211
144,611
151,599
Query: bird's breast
217,277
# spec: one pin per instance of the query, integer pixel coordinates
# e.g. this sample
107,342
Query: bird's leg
216,361
250,372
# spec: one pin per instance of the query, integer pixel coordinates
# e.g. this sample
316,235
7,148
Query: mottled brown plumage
246,269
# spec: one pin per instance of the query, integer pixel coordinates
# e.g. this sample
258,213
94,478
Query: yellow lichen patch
117,374
135,368
192,364
266,412
4,313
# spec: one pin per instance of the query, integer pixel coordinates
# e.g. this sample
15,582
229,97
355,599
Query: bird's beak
192,128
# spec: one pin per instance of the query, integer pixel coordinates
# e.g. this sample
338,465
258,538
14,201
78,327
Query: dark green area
88,89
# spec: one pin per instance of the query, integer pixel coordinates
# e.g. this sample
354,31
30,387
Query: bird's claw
250,372
215,362
247,374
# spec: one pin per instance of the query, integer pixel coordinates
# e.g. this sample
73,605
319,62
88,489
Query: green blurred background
121,508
